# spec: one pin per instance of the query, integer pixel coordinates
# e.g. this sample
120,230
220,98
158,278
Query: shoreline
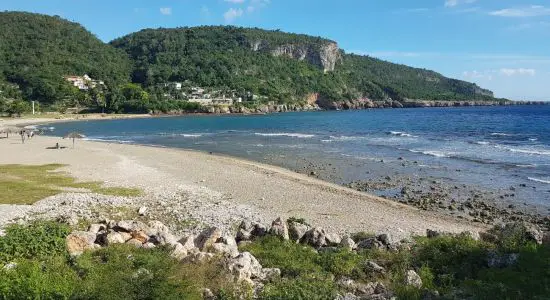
267,190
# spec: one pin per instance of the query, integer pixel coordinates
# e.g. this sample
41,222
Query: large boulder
315,237
333,239
370,243
348,243
129,226
80,241
279,228
115,238
207,238
248,231
160,234
245,268
297,230
227,246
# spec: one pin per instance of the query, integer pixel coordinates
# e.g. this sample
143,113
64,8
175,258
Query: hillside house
83,83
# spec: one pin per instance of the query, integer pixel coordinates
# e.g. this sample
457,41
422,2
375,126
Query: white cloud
519,72
528,11
166,11
235,1
232,14
472,75
453,3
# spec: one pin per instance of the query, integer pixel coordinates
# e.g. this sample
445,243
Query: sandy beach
244,188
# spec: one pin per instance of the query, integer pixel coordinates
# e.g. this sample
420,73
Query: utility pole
32,107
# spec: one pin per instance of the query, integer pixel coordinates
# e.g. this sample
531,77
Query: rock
208,295
160,234
333,239
149,245
380,289
198,257
207,238
413,279
250,230
10,266
315,237
115,238
142,210
188,243
347,296
130,226
270,274
96,228
373,266
245,267
384,239
140,236
223,249
80,241
135,242
432,233
179,252
370,243
496,260
279,228
259,230
348,243
297,230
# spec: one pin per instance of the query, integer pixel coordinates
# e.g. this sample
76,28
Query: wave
294,135
482,143
501,134
529,151
107,140
344,138
527,166
539,180
533,139
432,153
401,133
189,135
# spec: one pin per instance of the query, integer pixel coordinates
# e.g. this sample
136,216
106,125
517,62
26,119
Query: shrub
33,279
302,288
341,262
293,259
37,240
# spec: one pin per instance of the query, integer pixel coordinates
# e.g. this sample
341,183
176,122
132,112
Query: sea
488,148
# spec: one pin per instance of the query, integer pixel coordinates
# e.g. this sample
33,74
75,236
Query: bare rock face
245,268
315,237
325,56
80,241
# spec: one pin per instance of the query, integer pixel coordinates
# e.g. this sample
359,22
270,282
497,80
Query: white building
83,82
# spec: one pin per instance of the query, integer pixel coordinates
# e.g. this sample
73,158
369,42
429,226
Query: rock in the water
297,230
348,243
315,237
207,238
279,228
413,279
80,241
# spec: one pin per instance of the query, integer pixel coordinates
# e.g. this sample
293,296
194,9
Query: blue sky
503,45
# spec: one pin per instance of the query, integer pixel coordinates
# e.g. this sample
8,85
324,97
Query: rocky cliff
326,55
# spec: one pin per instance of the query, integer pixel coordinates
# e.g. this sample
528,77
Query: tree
18,107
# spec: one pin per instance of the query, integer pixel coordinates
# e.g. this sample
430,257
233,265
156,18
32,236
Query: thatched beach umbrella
74,135
11,129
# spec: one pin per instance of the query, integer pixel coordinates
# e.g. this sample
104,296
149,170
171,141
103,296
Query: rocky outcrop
324,55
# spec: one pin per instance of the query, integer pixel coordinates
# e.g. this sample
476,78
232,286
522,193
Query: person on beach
22,133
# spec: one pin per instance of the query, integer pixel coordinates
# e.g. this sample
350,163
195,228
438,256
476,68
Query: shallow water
491,148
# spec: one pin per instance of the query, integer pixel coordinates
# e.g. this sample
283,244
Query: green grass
26,184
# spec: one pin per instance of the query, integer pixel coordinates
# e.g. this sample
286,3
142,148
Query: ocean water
491,148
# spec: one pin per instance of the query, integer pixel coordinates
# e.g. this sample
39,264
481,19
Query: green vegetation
38,51
23,184
34,264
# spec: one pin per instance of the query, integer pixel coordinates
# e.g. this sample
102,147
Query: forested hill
36,51
280,66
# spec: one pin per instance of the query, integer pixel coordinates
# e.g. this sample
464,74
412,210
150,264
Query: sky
502,45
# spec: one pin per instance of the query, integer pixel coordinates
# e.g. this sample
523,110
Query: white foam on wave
533,139
107,140
501,134
529,151
344,138
435,153
402,134
526,166
294,135
191,135
482,143
539,180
